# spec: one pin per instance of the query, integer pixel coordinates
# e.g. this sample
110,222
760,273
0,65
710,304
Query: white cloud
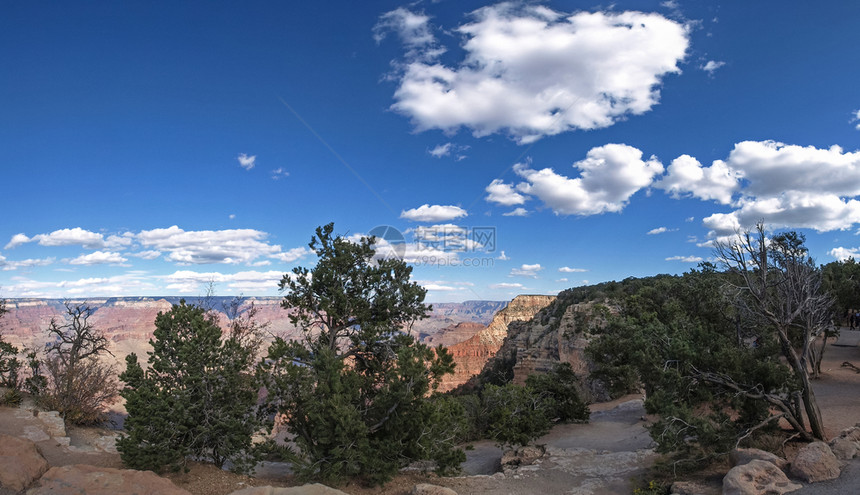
441,150
502,257
214,246
771,168
279,173
130,283
791,186
146,255
10,265
567,269
17,240
658,230
247,162
189,282
412,28
439,287
686,176
71,237
506,285
447,149
119,241
98,258
503,194
435,213
843,254
291,255
856,119
563,279
533,72
685,259
516,212
526,271
609,176
712,66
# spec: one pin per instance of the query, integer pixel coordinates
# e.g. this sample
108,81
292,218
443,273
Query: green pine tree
196,399
355,392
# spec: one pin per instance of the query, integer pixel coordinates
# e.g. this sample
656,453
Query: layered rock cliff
472,354
558,333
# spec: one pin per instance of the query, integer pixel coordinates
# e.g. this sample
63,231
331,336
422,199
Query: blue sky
151,148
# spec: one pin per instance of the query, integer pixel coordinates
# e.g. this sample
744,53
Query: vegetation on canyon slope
722,355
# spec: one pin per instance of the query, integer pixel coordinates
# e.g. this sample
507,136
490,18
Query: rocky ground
602,457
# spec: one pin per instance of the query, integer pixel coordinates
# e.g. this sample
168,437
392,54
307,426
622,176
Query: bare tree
76,339
778,289
78,384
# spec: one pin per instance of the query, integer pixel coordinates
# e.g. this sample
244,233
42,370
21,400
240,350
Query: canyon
528,334
128,323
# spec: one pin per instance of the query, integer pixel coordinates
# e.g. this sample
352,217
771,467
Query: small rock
524,456
34,434
498,476
743,456
92,480
757,477
107,443
852,433
64,441
54,424
20,463
692,488
815,463
843,448
313,489
428,489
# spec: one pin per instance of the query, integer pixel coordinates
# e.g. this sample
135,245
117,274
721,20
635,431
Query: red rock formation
472,354
453,334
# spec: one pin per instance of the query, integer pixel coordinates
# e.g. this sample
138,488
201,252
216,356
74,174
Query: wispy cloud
247,162
567,269
517,212
711,66
685,259
506,285
99,258
526,271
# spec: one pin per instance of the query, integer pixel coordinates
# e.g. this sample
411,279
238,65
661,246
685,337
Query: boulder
738,457
314,489
815,462
843,448
757,477
92,480
428,489
20,463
